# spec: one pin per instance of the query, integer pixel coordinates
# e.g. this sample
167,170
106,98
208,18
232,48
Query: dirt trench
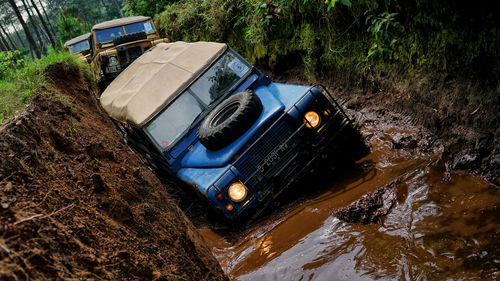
77,203
463,116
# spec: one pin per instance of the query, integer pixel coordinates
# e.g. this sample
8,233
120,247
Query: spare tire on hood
229,120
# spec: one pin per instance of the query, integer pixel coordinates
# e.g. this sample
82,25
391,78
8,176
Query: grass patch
18,84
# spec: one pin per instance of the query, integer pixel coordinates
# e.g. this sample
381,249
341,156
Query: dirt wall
468,130
464,117
76,202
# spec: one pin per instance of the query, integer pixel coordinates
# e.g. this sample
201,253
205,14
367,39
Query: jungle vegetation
431,41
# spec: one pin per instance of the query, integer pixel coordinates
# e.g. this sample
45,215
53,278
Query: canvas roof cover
77,39
119,22
156,78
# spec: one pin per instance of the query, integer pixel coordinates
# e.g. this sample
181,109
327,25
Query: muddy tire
229,120
129,38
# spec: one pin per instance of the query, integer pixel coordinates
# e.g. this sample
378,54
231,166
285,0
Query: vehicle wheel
229,120
129,38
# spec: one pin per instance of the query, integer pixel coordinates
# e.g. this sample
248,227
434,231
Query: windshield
170,125
79,47
219,78
139,27
107,35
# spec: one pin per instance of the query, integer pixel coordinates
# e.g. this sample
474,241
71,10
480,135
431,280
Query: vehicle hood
200,156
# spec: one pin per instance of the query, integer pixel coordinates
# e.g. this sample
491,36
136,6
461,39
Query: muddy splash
443,224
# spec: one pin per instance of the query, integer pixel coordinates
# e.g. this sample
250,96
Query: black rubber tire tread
129,38
248,111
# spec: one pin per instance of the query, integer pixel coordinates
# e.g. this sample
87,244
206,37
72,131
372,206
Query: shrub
70,26
440,39
10,60
262,30
19,83
145,7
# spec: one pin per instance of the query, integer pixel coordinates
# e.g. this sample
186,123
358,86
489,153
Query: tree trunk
2,47
18,36
33,25
44,25
31,53
45,12
8,37
47,17
25,27
4,42
117,7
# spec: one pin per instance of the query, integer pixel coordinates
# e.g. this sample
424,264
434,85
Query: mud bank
372,207
463,116
77,203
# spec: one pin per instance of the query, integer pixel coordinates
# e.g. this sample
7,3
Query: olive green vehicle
115,44
80,46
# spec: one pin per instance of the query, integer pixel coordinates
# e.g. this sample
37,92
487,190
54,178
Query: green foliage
440,39
91,12
10,60
382,28
145,7
331,3
265,31
19,83
70,26
450,40
436,39
197,20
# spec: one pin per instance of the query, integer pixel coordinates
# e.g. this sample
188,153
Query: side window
140,140
170,125
139,27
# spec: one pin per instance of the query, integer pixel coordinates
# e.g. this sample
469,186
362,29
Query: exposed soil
371,207
77,203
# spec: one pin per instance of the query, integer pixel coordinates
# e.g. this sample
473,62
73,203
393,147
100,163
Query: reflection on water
445,226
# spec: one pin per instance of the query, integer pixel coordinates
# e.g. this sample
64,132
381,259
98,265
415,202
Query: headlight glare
312,119
237,192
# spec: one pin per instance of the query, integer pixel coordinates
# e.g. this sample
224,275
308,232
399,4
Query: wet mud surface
426,223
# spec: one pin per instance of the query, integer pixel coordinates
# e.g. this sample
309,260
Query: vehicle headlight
112,61
312,119
237,192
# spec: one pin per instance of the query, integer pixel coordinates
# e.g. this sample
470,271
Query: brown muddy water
444,226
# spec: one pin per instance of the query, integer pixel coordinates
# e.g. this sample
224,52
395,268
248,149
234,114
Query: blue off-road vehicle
203,113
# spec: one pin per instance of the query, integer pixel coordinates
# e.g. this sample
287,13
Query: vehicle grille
249,162
134,52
